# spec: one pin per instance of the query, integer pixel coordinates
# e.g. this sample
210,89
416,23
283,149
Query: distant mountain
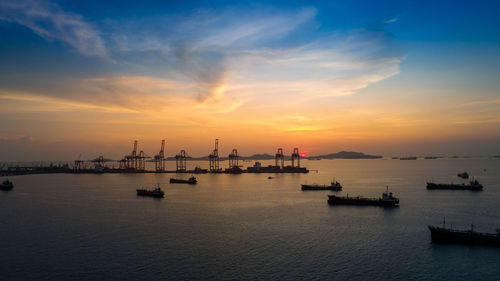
199,158
346,155
264,156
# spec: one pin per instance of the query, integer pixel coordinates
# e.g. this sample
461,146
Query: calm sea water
94,227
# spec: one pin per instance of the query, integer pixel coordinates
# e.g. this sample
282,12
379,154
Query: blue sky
418,26
383,64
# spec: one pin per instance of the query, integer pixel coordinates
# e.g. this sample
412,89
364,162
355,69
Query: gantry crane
279,158
296,156
160,158
214,158
233,159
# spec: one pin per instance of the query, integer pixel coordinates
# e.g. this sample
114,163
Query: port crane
233,159
79,164
214,158
296,157
180,161
279,158
160,158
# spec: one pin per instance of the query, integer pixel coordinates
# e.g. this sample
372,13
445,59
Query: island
345,155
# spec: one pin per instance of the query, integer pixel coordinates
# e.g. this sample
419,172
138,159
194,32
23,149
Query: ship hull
334,200
442,235
149,193
183,181
6,186
307,187
444,186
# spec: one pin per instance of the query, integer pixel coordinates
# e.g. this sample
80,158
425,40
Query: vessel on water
470,237
473,185
191,180
313,158
258,168
334,185
408,158
198,170
463,175
6,185
233,170
157,192
387,200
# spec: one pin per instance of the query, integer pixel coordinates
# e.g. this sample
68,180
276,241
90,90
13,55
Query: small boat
387,200
334,185
6,185
157,192
469,237
191,180
269,178
473,185
463,175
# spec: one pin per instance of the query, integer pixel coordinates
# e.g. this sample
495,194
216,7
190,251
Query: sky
393,78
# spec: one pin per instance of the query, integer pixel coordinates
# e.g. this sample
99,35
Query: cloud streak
52,23
211,60
254,57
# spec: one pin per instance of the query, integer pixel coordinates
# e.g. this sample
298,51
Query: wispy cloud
392,20
251,30
481,103
304,128
52,23
222,59
246,56
58,104
293,118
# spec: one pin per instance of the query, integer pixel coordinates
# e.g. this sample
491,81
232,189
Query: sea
250,227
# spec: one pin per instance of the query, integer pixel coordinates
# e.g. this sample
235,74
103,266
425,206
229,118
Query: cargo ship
6,185
408,158
334,185
469,237
387,200
473,185
157,192
198,170
191,180
258,168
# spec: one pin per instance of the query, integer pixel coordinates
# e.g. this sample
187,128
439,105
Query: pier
135,163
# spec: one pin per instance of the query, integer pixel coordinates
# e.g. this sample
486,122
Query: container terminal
135,162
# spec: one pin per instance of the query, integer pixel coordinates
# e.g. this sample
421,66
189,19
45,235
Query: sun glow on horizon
271,76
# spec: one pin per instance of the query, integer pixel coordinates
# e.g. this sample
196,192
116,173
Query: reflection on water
82,227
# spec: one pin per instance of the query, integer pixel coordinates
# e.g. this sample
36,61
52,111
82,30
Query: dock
135,163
